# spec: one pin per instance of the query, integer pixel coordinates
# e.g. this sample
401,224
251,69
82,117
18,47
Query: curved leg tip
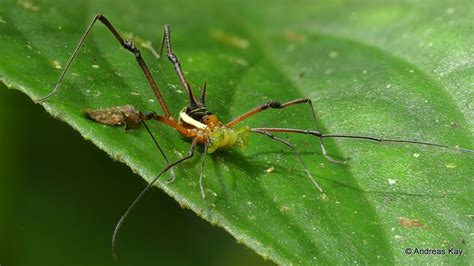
173,177
332,160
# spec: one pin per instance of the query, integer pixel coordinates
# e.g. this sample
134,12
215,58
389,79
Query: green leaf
400,70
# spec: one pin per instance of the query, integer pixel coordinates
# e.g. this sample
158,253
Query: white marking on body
191,121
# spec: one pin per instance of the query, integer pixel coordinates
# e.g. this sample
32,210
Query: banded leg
293,148
177,65
277,105
165,169
125,44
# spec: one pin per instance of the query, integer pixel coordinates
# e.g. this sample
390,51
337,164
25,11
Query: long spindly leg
315,133
139,197
350,136
125,44
177,65
173,176
201,173
293,148
277,105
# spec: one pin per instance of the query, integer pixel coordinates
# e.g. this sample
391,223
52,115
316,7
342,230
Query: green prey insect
196,122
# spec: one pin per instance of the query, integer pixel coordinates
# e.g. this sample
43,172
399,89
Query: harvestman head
196,122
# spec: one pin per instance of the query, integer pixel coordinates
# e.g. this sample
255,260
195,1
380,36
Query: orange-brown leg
273,105
190,133
277,105
125,44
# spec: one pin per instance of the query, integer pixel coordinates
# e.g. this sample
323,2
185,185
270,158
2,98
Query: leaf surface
397,70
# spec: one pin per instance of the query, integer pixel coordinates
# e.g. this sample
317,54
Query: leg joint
100,17
127,44
173,58
272,104
269,134
313,132
147,115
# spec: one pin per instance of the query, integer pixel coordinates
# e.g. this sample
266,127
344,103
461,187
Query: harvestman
197,122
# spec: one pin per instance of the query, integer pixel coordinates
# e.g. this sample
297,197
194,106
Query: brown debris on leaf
125,115
407,222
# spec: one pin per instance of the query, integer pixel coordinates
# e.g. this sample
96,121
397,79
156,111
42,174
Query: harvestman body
196,122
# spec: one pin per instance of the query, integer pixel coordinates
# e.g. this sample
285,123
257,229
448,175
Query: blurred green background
60,198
